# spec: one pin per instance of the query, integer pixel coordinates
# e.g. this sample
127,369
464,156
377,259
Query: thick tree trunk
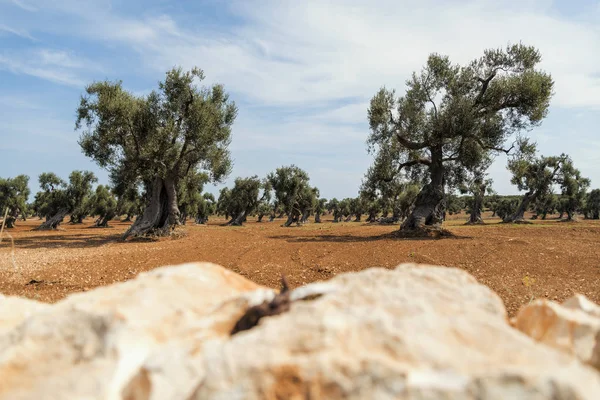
238,220
161,215
9,222
260,217
183,218
305,215
519,215
53,222
317,218
271,217
372,216
102,222
292,217
429,207
358,217
475,217
76,219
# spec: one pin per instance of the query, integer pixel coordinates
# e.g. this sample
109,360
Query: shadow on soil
63,241
357,239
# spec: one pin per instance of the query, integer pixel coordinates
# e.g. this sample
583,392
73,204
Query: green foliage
223,202
79,192
574,188
243,199
189,194
592,204
453,117
169,134
14,193
545,204
103,204
506,207
292,190
58,196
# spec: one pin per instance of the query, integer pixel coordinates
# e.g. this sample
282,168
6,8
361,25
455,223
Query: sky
301,72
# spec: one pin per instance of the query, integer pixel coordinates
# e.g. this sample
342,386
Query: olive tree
14,193
80,190
158,139
592,204
103,205
574,188
243,199
57,198
292,191
533,174
320,209
207,206
453,117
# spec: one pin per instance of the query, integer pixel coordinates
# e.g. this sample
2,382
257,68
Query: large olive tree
158,139
452,117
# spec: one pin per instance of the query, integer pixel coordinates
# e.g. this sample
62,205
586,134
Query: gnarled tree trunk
9,222
428,210
372,216
238,220
475,217
519,215
317,218
53,222
162,214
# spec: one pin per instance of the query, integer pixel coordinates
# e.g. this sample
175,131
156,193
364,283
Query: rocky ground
548,259
411,332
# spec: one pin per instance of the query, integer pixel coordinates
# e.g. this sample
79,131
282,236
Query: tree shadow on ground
62,241
358,239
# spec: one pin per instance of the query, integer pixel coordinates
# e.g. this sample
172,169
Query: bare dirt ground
520,262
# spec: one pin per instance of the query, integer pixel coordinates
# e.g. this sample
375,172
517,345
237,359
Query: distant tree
189,194
477,185
333,206
574,188
103,205
292,191
307,202
592,204
80,190
453,117
545,204
491,201
320,209
243,199
57,198
207,206
533,174
506,207
344,210
14,193
158,139
454,204
223,202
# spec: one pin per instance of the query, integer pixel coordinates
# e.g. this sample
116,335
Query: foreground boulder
413,332
573,327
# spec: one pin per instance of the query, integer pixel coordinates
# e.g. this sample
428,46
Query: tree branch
410,144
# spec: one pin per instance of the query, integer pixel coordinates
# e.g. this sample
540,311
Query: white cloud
316,63
52,65
21,4
20,33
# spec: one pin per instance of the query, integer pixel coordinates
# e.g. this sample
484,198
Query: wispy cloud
52,65
20,33
23,5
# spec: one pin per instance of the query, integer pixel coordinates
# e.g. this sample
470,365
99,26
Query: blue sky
301,72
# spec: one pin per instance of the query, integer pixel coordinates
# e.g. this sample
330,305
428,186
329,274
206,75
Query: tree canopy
452,117
158,139
14,193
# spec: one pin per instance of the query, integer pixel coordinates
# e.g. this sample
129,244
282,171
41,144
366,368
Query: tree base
479,222
518,221
427,231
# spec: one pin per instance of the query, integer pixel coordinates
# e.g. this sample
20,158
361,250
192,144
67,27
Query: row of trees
437,139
